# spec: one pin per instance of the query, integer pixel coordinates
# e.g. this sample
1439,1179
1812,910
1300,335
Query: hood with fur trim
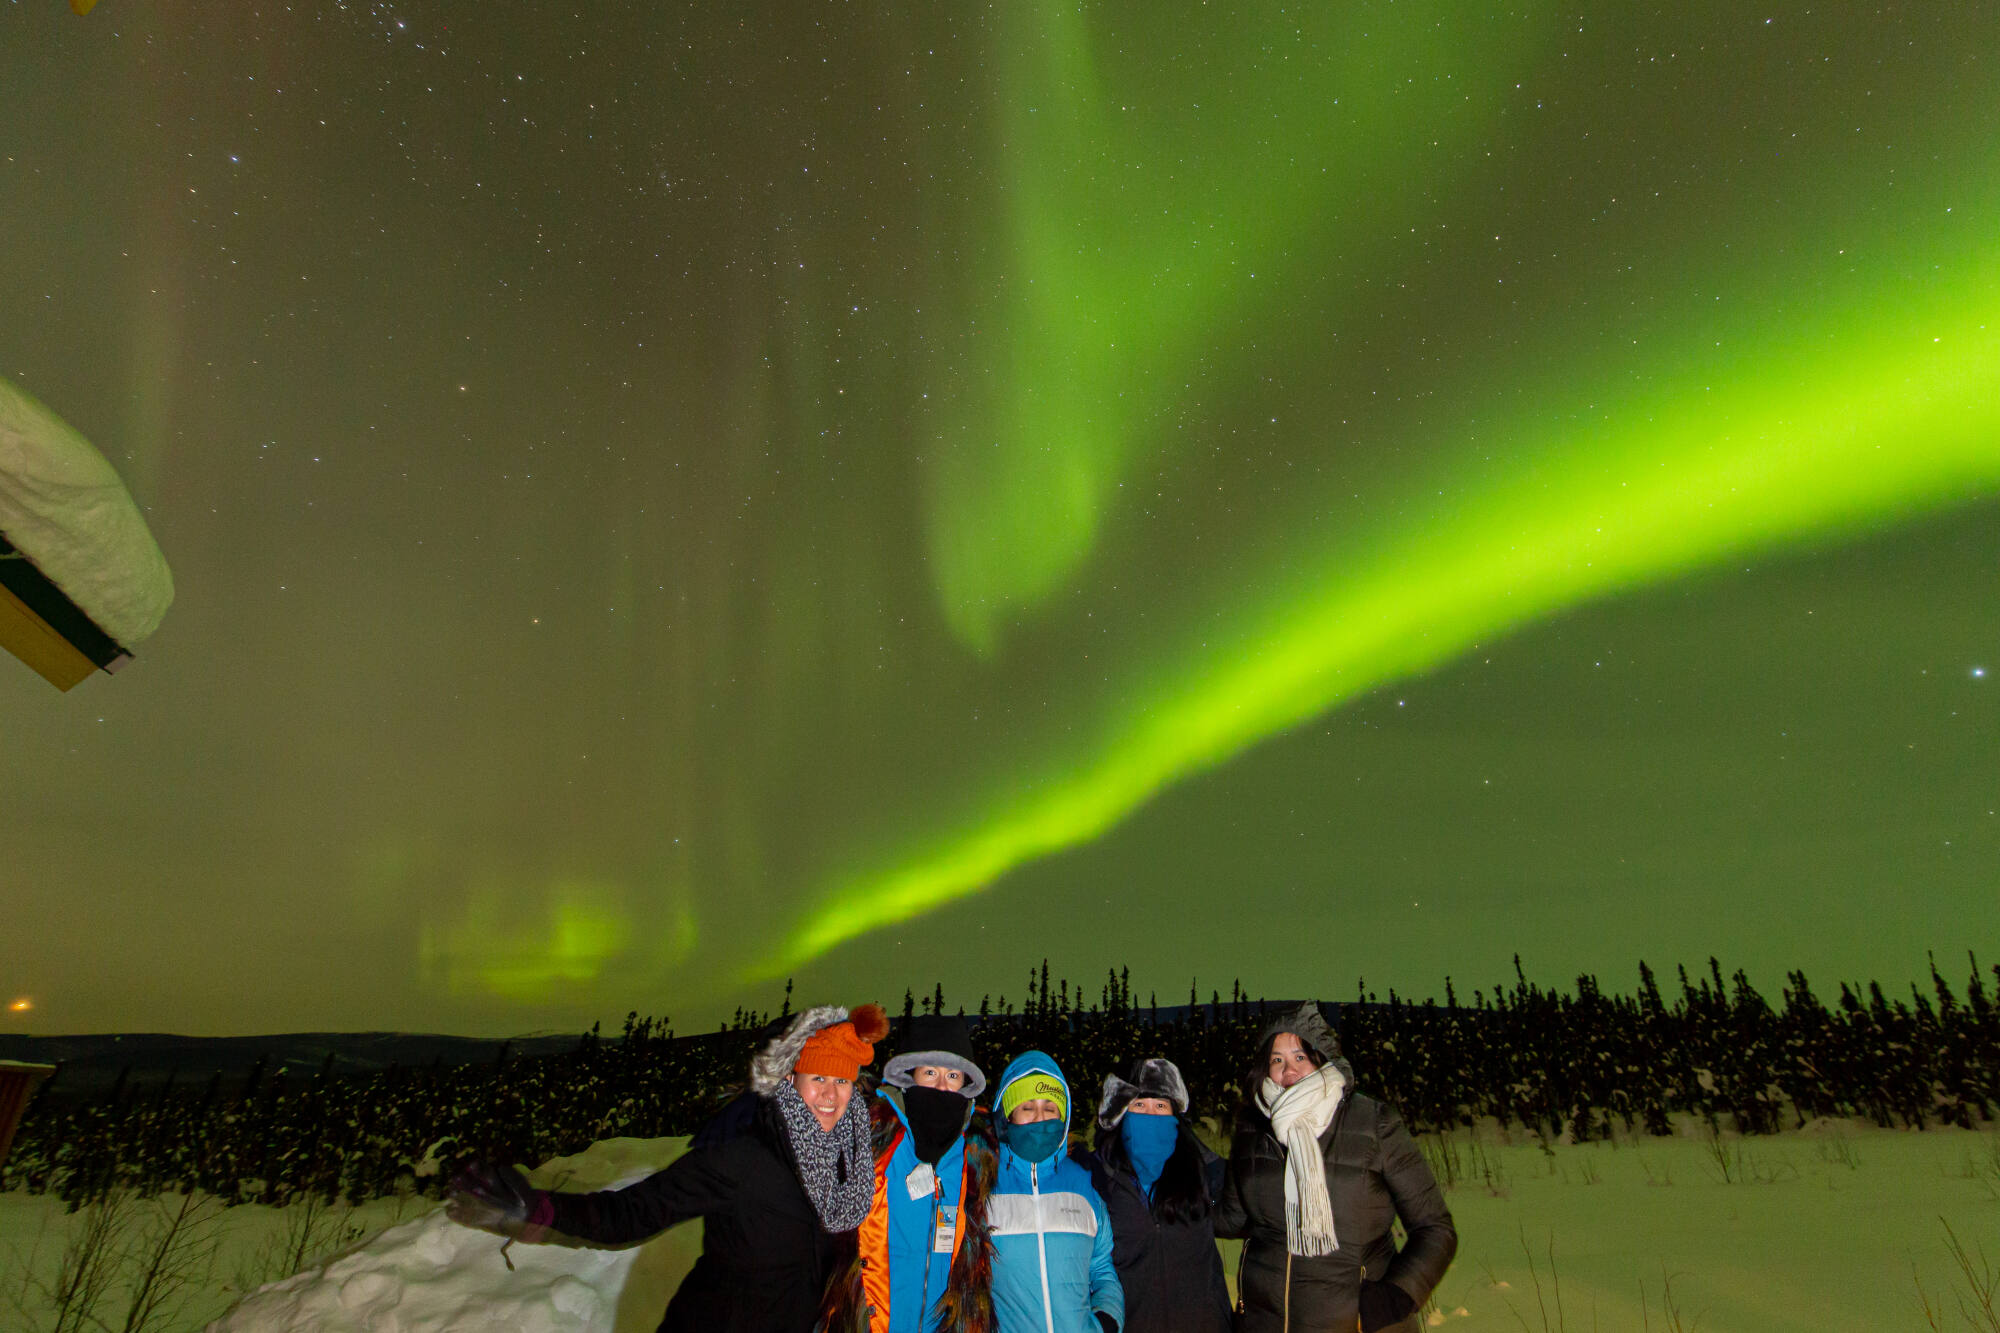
773,1064
939,1040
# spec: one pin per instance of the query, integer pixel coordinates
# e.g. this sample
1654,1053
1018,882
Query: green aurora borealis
668,502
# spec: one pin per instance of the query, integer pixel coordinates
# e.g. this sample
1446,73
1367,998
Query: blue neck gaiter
1038,1142
1149,1142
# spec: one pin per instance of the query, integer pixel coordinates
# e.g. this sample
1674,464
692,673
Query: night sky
665,499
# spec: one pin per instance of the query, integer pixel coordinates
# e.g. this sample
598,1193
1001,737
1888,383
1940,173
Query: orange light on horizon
22,1005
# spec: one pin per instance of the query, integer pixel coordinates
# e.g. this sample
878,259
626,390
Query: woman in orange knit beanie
779,1200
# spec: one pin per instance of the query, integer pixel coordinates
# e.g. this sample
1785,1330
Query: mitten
493,1197
1384,1304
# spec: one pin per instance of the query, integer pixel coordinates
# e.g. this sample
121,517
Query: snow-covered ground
385,1267
1837,1226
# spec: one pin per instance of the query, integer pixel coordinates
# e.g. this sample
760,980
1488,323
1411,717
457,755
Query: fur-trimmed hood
939,1040
773,1064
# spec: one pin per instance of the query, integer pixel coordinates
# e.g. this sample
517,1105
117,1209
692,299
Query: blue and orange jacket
907,1277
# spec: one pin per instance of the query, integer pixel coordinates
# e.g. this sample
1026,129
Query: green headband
1030,1086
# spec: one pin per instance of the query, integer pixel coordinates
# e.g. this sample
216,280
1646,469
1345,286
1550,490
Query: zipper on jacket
930,1245
1288,1290
1042,1248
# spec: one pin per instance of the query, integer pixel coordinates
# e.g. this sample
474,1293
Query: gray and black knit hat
1146,1078
934,1039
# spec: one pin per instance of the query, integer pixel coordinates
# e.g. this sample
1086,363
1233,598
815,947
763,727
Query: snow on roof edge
63,506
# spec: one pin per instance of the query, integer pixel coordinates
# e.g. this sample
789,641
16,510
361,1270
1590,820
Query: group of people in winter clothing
914,1210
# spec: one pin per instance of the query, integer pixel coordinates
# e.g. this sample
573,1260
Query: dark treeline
1578,1065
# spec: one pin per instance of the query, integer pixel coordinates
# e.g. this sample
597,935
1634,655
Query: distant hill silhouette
92,1064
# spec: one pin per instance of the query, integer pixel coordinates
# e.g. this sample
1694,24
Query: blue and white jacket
1052,1269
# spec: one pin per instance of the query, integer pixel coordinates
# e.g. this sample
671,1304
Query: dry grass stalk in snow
126,1265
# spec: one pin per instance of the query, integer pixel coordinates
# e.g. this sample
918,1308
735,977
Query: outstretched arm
702,1181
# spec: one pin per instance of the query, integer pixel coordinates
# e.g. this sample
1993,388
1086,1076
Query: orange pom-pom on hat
838,1050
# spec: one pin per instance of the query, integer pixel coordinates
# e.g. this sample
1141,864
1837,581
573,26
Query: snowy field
391,1264
1838,1226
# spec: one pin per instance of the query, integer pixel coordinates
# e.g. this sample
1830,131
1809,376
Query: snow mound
433,1275
64,508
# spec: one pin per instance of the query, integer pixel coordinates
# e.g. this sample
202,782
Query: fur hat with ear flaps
1146,1078
866,1025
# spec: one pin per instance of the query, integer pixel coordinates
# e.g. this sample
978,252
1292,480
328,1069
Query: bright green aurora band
1720,318
1872,393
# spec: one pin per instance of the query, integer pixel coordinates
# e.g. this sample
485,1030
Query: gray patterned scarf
834,1165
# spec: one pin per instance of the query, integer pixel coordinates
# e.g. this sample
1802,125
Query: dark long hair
1249,1115
1181,1192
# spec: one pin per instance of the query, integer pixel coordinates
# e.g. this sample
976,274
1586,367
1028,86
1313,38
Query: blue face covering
1149,1142
1038,1142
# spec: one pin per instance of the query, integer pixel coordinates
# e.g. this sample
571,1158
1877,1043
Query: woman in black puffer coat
1159,1184
780,1181
1318,1174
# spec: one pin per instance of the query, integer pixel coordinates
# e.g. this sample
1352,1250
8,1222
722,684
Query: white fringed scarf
1299,1115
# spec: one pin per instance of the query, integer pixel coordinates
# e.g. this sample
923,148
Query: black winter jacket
1375,1174
1171,1272
765,1259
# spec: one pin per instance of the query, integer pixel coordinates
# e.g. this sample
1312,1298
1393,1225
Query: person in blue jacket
1052,1267
924,1260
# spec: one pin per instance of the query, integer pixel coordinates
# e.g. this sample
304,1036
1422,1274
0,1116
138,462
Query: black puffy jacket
1171,1271
765,1258
1375,1176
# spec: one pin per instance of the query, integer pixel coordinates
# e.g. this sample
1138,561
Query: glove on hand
1384,1304
491,1196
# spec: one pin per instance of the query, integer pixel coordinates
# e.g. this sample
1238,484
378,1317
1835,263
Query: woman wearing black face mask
924,1263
